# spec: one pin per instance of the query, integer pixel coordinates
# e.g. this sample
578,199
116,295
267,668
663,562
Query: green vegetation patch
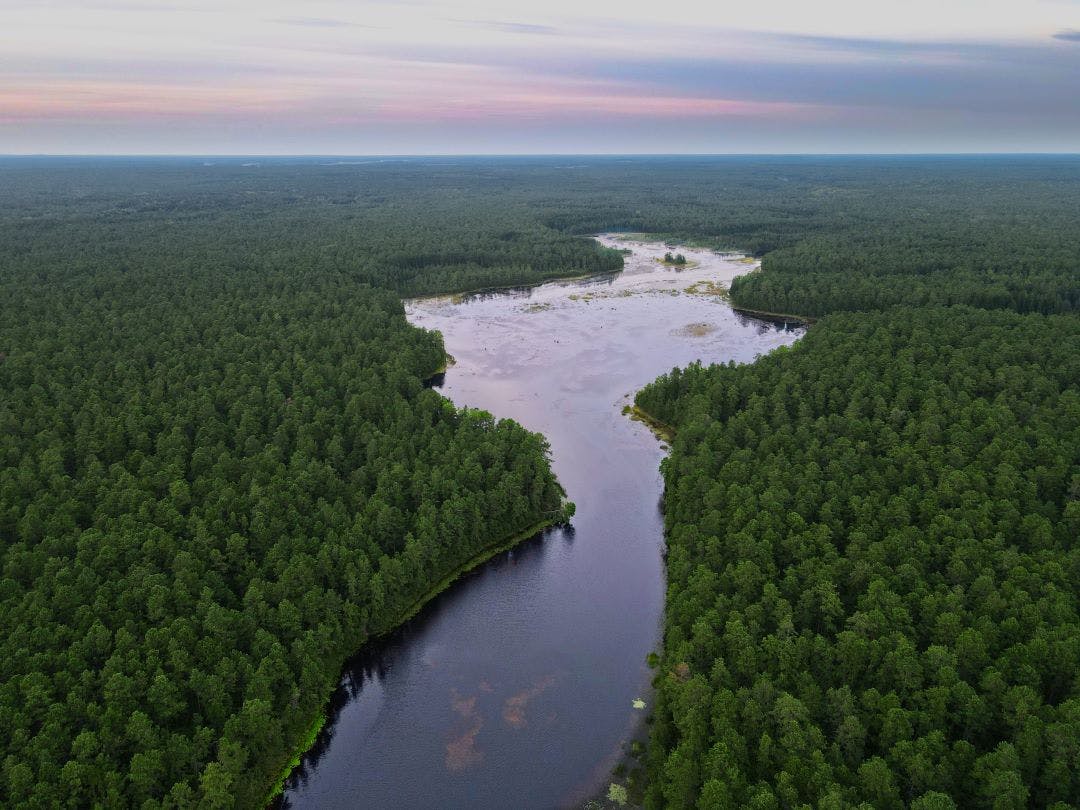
618,794
709,288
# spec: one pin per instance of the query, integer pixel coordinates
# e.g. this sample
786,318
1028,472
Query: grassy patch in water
695,330
689,264
662,431
709,288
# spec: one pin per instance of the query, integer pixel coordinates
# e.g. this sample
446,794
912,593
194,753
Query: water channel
517,686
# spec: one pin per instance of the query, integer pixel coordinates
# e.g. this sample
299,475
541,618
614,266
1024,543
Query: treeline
219,474
873,574
414,228
985,267
839,233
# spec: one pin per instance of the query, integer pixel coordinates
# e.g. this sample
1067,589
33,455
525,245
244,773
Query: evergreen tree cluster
873,574
220,473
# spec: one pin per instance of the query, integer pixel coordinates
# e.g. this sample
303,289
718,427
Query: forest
873,577
220,471
219,474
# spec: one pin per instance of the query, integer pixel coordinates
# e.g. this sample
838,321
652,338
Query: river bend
516,686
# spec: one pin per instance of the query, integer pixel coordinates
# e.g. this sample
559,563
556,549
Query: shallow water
515,687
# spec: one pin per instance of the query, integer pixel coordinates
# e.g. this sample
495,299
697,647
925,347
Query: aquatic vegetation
660,430
461,751
695,330
514,708
618,793
674,263
706,287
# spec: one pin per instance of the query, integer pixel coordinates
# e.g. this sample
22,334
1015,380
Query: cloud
866,46
561,75
524,28
103,101
318,22
510,27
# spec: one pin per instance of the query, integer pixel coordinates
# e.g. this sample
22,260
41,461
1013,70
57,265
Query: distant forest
220,471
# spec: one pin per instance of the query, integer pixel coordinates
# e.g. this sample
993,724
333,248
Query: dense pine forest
220,474
873,571
220,471
873,574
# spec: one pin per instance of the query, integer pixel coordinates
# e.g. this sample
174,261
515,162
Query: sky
353,77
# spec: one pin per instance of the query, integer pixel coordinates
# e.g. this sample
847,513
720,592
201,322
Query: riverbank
531,684
622,779
775,317
458,297
311,735
661,430
435,377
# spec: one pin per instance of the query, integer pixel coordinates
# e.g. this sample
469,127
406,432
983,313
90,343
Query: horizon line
407,155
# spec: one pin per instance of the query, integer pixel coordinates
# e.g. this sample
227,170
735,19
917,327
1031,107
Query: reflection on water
764,322
515,687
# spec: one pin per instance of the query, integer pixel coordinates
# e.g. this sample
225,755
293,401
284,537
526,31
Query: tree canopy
220,471
873,575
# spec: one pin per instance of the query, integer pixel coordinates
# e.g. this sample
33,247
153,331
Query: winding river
517,686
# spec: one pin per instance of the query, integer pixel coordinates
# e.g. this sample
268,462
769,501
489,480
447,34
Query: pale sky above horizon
562,76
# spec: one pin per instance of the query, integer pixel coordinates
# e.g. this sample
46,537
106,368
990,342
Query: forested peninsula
220,472
873,569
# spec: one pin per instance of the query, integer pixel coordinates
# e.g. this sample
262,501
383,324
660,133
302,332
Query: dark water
515,688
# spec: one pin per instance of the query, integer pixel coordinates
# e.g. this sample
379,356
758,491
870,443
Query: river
516,687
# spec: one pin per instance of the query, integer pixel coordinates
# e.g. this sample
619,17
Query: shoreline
625,767
764,314
504,287
663,431
639,238
309,738
428,380
628,758
461,294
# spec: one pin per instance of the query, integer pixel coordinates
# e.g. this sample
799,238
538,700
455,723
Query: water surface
515,687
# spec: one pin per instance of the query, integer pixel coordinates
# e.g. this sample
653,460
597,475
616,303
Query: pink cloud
67,100
637,106
407,96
